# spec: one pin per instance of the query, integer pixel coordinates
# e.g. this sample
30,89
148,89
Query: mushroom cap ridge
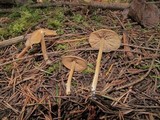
111,40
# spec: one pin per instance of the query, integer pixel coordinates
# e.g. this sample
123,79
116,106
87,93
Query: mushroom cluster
38,37
103,40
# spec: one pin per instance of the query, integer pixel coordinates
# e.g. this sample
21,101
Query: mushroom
37,37
73,63
105,41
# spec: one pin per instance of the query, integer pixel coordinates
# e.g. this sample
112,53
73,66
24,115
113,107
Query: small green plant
60,31
74,83
144,67
57,20
97,18
8,68
112,1
78,18
86,24
53,68
129,26
59,13
90,69
62,47
54,23
144,30
154,76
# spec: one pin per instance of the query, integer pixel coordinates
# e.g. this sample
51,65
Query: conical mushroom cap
34,39
80,64
36,36
111,40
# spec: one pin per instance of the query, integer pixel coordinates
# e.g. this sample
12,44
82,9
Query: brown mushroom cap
80,64
111,40
48,32
34,39
36,36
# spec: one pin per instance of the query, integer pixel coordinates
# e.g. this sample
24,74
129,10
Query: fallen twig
22,38
111,6
13,40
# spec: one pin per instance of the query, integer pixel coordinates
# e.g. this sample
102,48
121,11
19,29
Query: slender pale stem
95,79
23,52
43,47
44,51
68,85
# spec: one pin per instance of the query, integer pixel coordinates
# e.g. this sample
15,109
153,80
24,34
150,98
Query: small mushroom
73,63
37,37
103,40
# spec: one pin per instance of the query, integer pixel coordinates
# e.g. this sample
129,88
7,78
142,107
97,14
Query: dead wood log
111,6
13,1
13,40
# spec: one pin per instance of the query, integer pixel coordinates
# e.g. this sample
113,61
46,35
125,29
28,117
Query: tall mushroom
37,37
105,41
73,63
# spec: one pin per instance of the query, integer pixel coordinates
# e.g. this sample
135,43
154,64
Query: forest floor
129,79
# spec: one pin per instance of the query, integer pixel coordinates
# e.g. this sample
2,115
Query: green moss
78,18
144,67
56,21
53,68
61,47
8,68
74,83
22,19
86,24
129,26
90,69
59,13
157,77
112,1
97,18
60,31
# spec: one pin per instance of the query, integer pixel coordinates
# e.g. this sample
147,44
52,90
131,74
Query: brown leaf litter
128,86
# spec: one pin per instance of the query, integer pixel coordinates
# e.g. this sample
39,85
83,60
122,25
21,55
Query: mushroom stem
44,51
23,52
95,79
68,85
